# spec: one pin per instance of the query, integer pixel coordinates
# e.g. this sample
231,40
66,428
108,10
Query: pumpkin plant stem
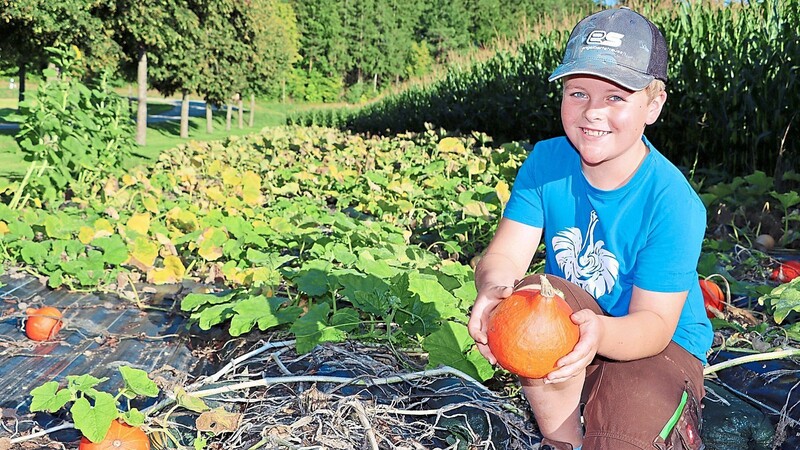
547,290
751,358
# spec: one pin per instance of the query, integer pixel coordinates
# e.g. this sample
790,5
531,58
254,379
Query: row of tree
222,49
213,48
367,45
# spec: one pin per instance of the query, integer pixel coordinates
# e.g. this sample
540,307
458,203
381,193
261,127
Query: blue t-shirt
648,233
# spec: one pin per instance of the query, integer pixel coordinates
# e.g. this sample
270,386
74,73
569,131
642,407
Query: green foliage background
733,90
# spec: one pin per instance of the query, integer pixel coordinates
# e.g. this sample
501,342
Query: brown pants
628,404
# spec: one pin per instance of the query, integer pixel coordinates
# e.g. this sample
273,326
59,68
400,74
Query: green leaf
55,228
83,383
429,290
137,381
20,229
365,292
312,280
34,253
93,421
371,266
788,301
346,319
189,401
266,312
115,251
48,397
133,417
448,346
213,315
784,298
313,328
193,301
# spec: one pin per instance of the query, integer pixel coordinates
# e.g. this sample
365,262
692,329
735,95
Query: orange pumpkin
120,436
531,329
786,271
42,324
713,298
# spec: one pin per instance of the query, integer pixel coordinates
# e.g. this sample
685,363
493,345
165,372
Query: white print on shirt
586,264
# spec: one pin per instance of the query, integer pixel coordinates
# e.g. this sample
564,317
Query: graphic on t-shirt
585,262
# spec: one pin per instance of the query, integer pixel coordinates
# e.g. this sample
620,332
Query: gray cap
619,45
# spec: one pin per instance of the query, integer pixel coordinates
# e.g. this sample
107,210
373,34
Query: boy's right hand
487,299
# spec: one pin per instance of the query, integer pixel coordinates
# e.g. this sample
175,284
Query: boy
623,231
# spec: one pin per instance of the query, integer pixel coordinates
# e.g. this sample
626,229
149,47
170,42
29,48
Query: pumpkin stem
548,291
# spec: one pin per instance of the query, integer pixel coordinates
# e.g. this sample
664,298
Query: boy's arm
506,260
646,329
509,254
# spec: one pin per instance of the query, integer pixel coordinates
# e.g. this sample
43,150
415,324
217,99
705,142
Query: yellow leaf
128,180
103,225
149,202
143,253
139,223
230,177
3,228
451,145
476,167
404,206
477,209
215,194
251,188
85,234
210,241
503,192
214,168
172,272
182,220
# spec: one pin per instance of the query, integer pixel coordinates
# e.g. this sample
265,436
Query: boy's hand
486,301
573,363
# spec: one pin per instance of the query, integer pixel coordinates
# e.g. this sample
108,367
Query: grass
160,136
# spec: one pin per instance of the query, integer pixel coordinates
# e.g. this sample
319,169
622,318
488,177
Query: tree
445,24
323,45
273,40
30,26
145,30
222,72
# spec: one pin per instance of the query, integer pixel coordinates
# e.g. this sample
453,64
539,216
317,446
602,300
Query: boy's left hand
576,361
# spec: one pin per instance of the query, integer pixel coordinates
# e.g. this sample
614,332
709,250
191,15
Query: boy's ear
655,107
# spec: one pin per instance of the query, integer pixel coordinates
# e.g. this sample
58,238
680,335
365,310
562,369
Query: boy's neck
616,173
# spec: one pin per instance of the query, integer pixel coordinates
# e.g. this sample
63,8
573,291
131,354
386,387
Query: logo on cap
607,38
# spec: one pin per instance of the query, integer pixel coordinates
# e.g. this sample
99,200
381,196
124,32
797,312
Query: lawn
160,136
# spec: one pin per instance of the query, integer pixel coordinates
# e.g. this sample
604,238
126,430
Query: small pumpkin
42,324
531,329
786,271
713,298
120,436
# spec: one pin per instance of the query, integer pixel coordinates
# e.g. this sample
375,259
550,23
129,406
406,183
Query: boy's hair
654,88
617,44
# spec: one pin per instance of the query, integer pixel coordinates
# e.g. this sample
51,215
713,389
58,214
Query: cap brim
623,76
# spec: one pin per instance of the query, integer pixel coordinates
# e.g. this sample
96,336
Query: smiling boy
622,230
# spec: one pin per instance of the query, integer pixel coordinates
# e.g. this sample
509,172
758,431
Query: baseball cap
617,44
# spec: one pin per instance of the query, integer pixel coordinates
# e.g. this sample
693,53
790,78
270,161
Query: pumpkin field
313,236
312,282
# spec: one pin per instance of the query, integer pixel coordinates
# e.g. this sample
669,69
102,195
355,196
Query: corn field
733,90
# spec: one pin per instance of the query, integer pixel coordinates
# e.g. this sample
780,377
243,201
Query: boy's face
605,122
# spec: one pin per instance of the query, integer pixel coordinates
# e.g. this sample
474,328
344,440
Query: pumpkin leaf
137,383
94,421
48,397
313,328
448,346
189,401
